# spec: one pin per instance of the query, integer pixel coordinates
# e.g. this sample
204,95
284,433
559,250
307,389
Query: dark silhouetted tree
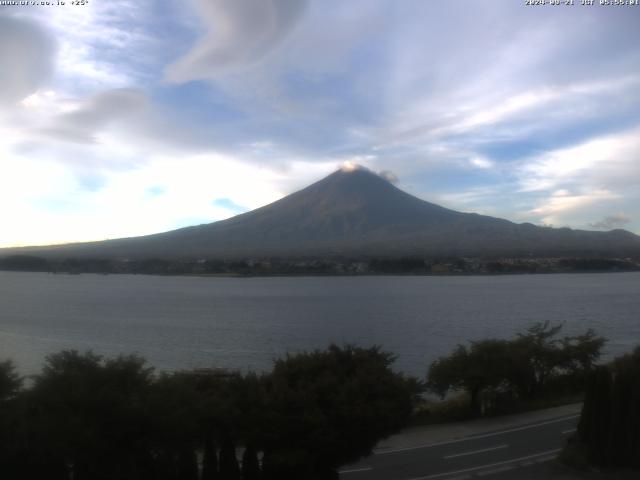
210,459
484,365
329,408
10,381
89,414
522,367
229,468
610,420
250,464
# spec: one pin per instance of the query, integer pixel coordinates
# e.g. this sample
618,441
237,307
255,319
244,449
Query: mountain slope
354,213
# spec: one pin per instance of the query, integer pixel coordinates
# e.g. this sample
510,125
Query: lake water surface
184,322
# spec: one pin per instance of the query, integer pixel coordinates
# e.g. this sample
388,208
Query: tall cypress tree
610,420
600,419
187,464
250,464
229,468
210,460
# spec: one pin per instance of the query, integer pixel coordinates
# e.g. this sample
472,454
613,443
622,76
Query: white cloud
617,153
447,96
101,44
62,188
239,33
569,186
617,220
97,113
481,162
55,208
26,58
389,176
552,208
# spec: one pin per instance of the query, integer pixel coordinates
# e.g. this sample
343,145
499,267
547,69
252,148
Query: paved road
476,456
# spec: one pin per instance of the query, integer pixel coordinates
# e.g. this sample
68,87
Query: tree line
85,416
498,373
317,266
89,417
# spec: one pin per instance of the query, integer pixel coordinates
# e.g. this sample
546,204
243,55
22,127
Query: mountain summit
354,212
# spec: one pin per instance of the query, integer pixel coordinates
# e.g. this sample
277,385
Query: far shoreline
323,275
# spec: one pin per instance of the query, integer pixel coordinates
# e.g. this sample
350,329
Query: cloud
157,195
26,58
105,45
240,33
481,162
598,158
452,98
389,176
618,220
554,208
96,113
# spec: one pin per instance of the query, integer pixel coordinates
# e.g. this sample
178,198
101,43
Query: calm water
183,322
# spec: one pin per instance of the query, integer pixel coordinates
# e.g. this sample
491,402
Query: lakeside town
325,266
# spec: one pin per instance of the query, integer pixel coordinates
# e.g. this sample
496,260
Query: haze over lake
185,322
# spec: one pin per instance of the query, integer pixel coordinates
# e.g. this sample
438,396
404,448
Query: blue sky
133,117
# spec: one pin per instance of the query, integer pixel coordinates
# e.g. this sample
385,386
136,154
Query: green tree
537,353
329,408
176,407
580,353
10,381
229,468
11,428
250,464
484,365
522,367
594,422
610,421
89,414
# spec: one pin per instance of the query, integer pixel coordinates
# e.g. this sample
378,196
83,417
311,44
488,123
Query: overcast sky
131,117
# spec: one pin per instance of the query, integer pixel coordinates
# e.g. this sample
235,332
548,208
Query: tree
540,356
581,352
329,408
521,367
10,381
250,464
538,353
89,414
89,417
209,459
610,421
176,408
593,426
229,468
11,428
485,365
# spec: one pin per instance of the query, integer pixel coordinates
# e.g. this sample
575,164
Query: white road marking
355,470
490,465
475,437
545,459
493,471
489,449
571,430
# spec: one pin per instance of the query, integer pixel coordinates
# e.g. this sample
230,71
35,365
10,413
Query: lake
245,323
